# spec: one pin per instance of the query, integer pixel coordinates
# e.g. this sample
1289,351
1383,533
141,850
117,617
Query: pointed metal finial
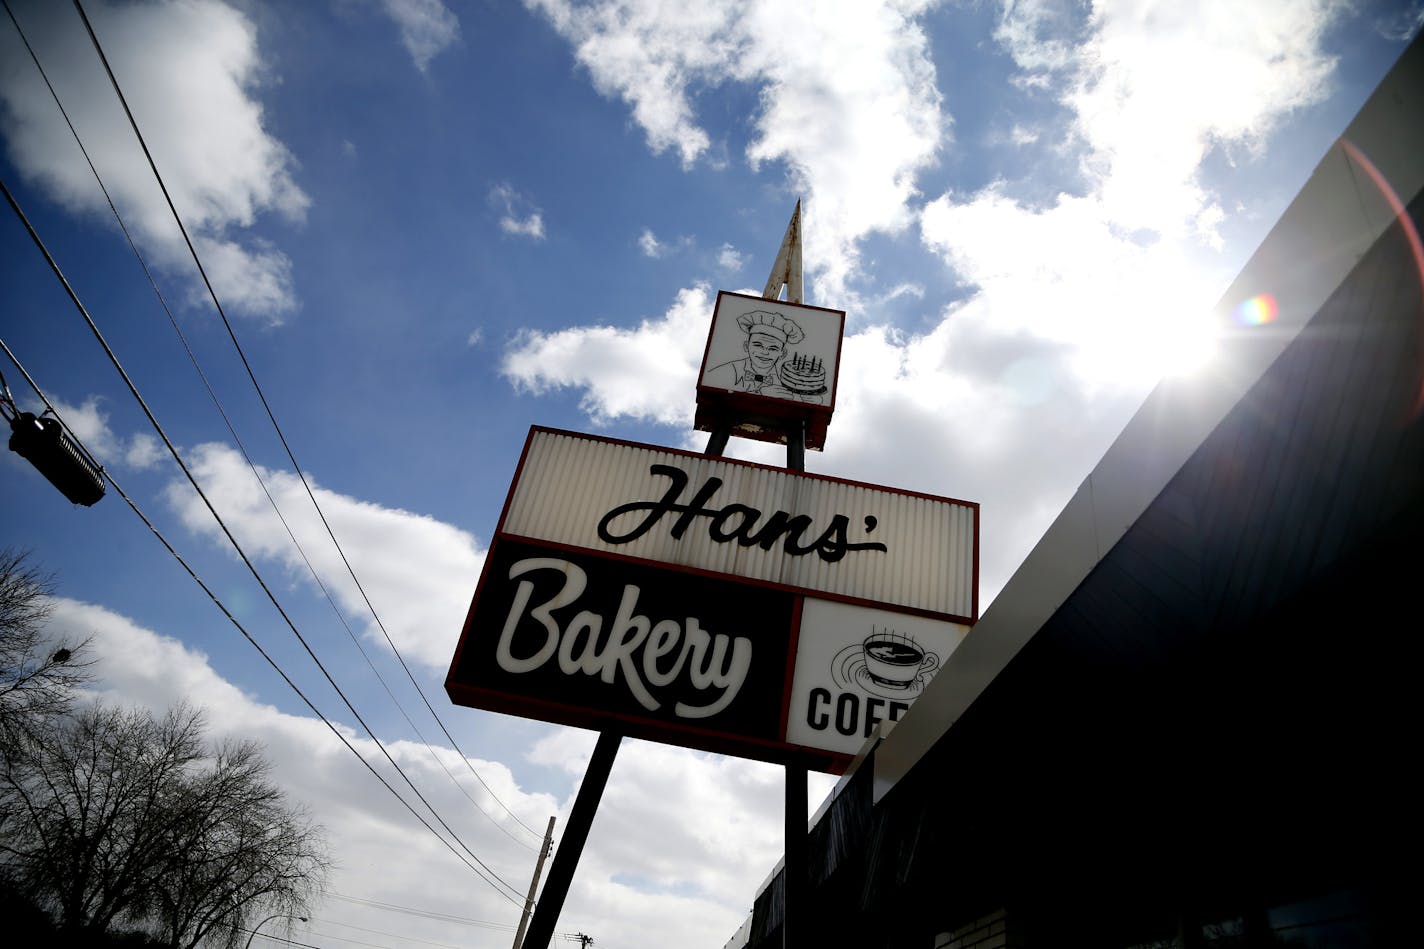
786,272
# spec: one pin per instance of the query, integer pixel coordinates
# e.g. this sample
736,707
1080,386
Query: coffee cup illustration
896,661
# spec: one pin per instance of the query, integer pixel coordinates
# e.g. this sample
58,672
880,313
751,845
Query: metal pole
796,446
787,272
792,932
796,778
561,872
717,442
534,883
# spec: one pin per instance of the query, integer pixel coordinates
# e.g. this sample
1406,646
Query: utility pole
584,941
534,883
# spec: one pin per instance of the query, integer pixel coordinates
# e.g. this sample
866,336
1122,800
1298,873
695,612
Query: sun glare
1144,349
1186,343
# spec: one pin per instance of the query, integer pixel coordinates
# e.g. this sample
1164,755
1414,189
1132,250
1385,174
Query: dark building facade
1192,717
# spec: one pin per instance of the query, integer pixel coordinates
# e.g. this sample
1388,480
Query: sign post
566,858
786,272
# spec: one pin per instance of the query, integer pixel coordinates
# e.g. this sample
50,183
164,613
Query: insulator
43,443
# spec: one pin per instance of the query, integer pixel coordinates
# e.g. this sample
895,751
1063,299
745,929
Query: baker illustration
765,369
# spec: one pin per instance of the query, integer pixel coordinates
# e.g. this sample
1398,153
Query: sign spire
786,272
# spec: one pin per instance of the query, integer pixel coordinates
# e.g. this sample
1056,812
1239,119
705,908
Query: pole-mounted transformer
42,442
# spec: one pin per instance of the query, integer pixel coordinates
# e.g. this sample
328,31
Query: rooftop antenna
786,271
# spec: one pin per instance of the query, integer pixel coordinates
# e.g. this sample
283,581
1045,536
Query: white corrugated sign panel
570,484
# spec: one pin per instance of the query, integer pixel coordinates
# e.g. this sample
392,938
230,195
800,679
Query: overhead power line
433,915
271,415
227,532
242,448
238,624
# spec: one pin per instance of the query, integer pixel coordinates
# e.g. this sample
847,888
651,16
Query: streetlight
264,922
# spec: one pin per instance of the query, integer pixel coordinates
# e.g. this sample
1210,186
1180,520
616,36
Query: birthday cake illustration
804,375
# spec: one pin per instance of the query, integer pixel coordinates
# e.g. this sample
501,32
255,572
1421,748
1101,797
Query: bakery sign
769,363
712,603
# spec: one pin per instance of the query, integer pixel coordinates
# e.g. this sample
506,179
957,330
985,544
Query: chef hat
764,321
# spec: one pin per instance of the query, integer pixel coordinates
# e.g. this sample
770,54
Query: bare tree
119,817
37,676
243,851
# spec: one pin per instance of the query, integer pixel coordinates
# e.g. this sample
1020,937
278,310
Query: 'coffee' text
847,716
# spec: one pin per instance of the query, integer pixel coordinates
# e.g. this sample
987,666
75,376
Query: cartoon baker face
765,351
768,335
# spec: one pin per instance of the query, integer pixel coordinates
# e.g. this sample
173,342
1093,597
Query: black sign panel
582,639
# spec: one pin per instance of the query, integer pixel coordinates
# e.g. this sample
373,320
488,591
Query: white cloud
427,28
654,247
517,215
650,245
1111,272
531,225
143,452
191,72
1022,135
730,260
1400,25
850,107
1148,129
647,53
649,372
903,290
1068,276
416,570
1153,86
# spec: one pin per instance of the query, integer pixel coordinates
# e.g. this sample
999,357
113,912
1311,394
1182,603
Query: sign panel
769,367
585,640
856,667
665,594
777,350
801,532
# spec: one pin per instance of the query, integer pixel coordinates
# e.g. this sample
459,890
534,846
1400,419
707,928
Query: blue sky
433,225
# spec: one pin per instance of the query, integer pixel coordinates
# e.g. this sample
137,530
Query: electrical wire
378,932
113,81
232,540
235,622
8,409
293,942
242,448
430,914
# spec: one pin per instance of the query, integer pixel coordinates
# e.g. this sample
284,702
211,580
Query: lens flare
1257,311
1406,223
